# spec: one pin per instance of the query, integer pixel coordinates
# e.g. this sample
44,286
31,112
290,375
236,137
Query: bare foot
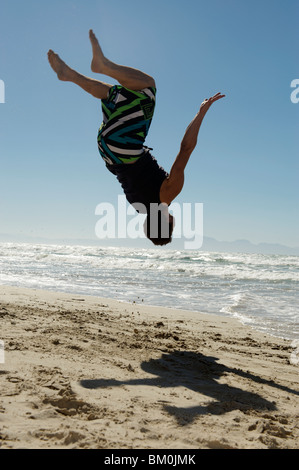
98,60
64,72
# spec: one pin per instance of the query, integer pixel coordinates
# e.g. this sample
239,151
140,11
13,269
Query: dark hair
161,233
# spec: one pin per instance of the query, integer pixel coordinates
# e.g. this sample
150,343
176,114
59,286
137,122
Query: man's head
158,226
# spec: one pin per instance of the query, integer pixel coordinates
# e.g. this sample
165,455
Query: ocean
259,290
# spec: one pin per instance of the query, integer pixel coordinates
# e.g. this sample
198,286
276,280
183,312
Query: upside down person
128,110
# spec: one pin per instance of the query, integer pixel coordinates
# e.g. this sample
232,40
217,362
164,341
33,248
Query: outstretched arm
173,185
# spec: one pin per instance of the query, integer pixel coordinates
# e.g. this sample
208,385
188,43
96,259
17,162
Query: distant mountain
245,246
209,244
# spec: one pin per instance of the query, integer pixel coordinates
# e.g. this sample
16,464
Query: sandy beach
87,372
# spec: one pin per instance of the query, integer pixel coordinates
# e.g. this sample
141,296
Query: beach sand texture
86,372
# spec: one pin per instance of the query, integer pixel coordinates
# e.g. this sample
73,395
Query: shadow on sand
200,374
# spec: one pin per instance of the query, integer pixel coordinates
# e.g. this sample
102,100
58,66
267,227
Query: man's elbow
187,147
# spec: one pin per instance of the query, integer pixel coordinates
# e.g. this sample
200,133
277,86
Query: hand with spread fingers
205,105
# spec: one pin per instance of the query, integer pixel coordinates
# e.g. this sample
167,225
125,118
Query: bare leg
65,73
126,76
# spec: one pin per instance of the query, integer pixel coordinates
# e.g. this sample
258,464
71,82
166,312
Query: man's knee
152,82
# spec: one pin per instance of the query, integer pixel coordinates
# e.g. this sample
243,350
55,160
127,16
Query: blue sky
245,167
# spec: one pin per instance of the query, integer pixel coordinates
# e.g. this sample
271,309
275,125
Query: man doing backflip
127,114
